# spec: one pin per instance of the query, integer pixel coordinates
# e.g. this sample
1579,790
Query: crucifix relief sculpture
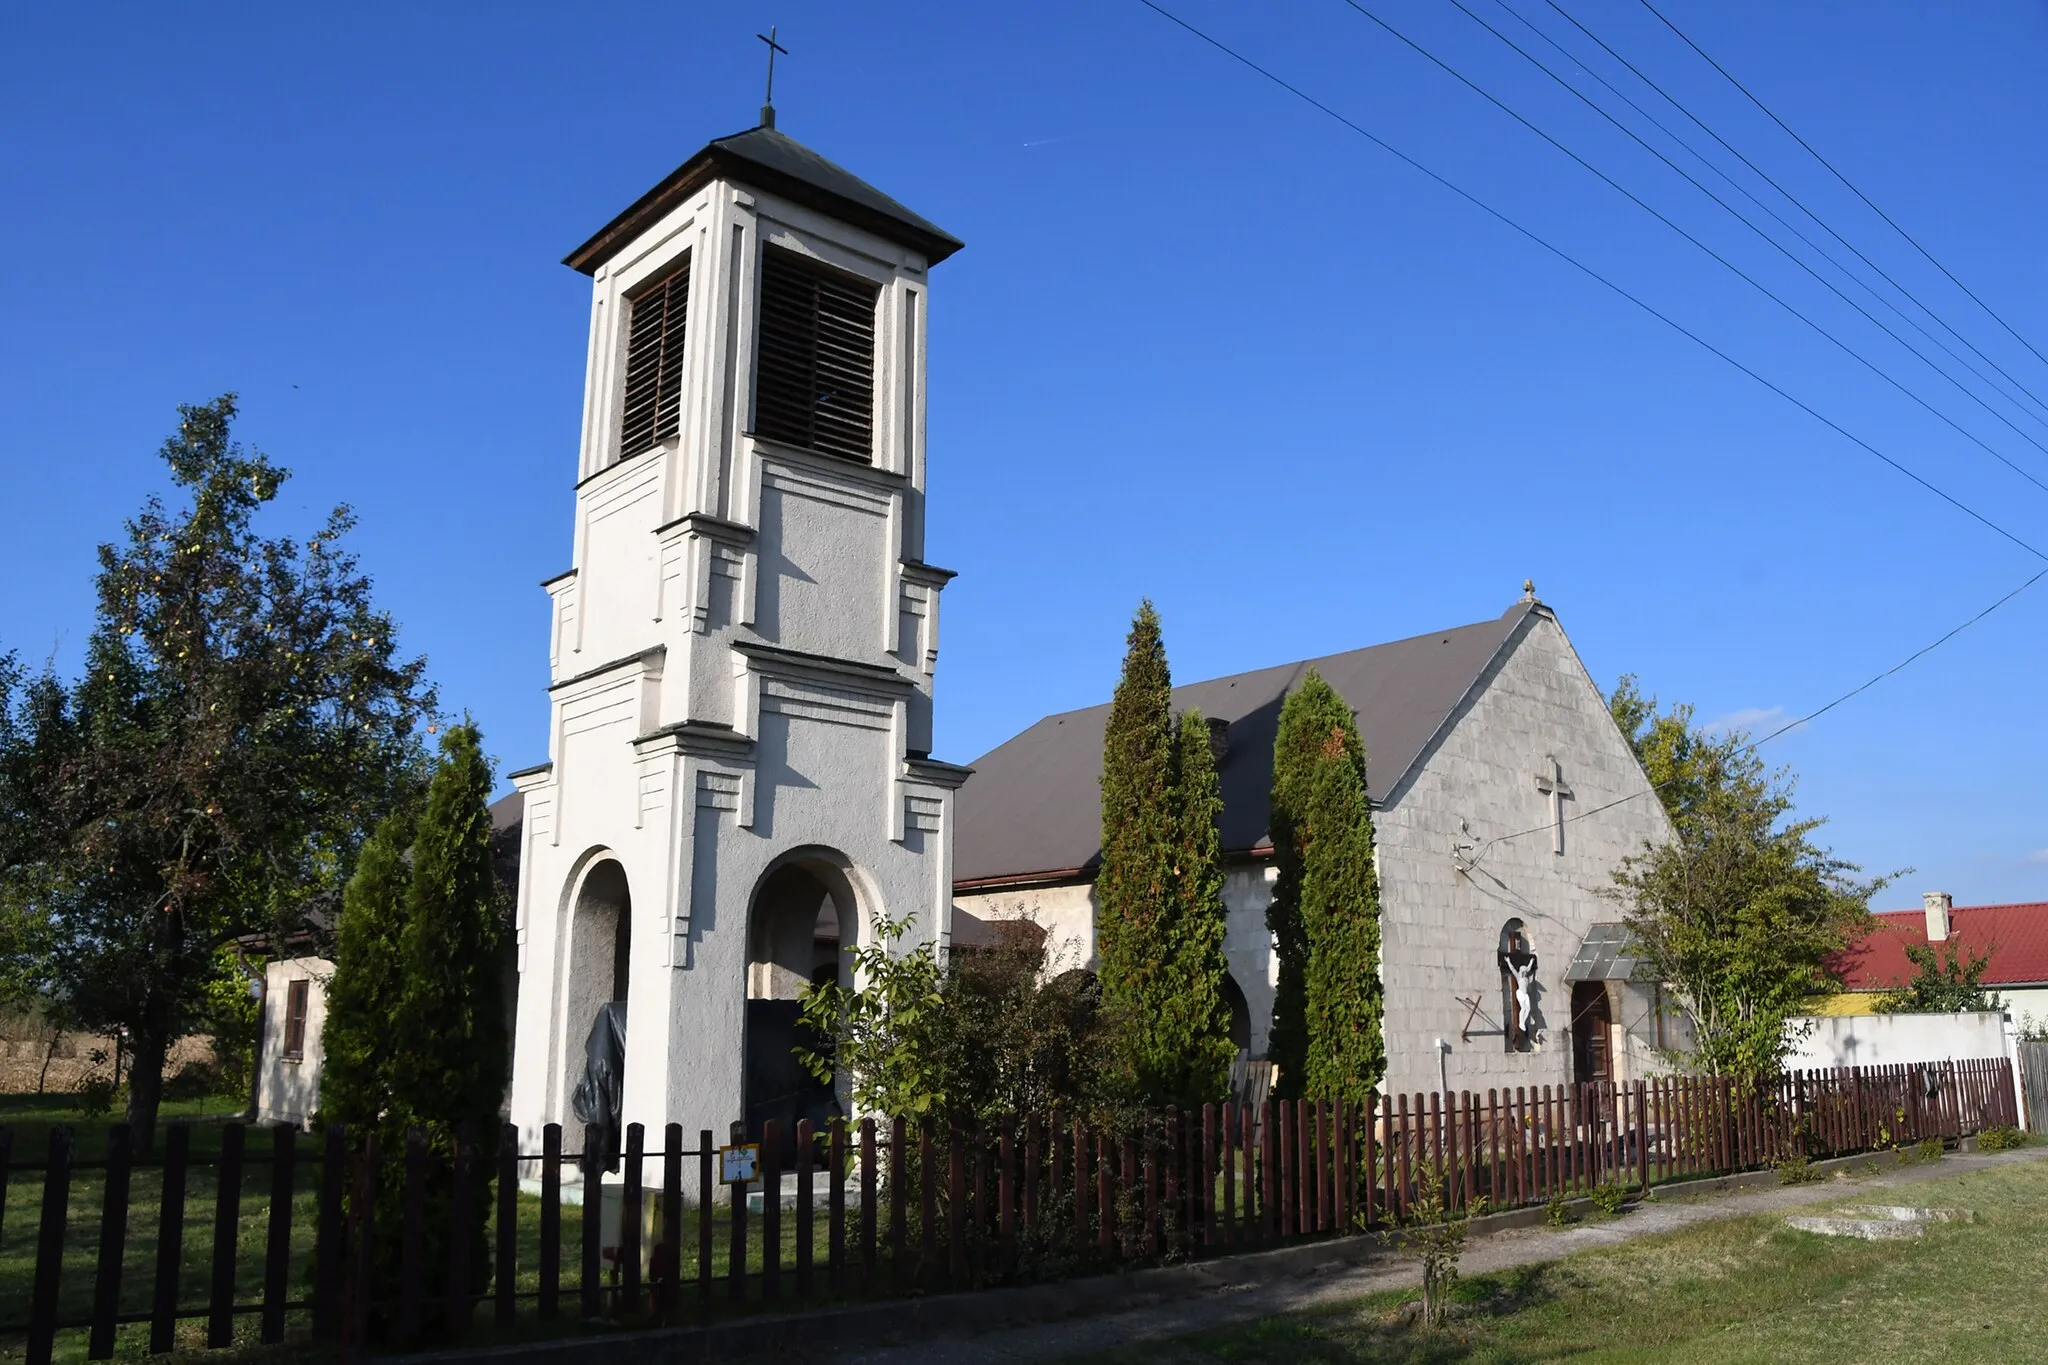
1552,785
1518,986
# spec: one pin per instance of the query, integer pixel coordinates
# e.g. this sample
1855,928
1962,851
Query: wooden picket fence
874,1209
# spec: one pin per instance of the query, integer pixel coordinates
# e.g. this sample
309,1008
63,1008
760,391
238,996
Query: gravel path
1244,1302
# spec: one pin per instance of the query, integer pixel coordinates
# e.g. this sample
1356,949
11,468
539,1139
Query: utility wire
1989,312
1796,202
1595,276
1774,215
1587,270
1734,269
1786,728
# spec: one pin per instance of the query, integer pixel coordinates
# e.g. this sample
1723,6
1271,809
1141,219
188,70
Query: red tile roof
2016,935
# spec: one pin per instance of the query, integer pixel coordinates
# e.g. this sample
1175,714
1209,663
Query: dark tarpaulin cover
598,1096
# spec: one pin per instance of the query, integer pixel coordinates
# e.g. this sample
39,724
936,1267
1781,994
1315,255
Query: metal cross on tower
768,99
1552,785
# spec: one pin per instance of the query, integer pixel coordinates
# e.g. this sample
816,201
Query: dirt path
1244,1302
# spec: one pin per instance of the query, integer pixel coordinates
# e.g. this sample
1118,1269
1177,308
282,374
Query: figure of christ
1524,973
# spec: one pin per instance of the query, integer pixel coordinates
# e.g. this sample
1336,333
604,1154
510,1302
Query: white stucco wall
1831,1040
288,1091
2025,1004
1476,783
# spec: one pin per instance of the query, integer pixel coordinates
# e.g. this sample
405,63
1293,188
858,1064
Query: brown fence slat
1080,1190
771,1210
550,1222
1034,1154
867,1206
106,1289
412,1254
736,1251
277,1248
835,1208
899,1195
590,1275
1105,1203
632,1198
328,1235
505,1264
1286,1193
956,1207
170,1240
362,1274
977,1204
805,1234
669,1283
707,1203
928,1174
42,1308
227,1222
1006,1201
462,1205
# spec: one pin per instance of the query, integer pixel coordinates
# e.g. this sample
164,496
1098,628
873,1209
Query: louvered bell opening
814,385
654,363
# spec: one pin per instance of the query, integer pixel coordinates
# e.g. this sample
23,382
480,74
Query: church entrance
802,916
1592,1034
593,1012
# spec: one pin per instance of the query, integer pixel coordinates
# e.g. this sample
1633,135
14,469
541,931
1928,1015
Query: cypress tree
1134,886
1195,1021
368,975
1325,912
449,1064
415,1032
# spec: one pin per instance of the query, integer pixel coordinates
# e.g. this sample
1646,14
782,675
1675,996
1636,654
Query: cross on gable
1552,785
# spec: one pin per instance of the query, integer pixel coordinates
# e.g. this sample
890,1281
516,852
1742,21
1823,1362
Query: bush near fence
879,1209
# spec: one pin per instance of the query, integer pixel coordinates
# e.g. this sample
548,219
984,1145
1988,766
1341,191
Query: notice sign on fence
739,1163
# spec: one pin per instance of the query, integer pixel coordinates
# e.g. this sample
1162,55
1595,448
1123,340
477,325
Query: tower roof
775,162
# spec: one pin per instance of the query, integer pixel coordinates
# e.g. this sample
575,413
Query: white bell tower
743,647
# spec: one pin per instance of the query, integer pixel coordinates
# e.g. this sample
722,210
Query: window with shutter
654,362
814,380
295,1021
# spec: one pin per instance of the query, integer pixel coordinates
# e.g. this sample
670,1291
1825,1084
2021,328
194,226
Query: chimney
1938,904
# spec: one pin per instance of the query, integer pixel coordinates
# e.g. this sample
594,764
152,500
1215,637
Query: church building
1504,796
742,646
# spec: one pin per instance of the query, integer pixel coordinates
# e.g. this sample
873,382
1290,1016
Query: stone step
1869,1229
1903,1214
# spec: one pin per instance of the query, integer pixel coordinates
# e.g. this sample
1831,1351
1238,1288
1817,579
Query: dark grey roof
775,162
1033,807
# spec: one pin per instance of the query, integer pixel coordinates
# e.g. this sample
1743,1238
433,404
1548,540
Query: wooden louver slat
652,410
814,383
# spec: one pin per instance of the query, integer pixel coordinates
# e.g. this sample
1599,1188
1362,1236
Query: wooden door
1591,1034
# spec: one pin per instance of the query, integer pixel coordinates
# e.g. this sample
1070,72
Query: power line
1868,202
1786,728
1594,275
1791,198
1775,216
1734,269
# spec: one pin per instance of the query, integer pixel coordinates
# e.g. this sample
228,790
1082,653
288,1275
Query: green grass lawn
1749,1289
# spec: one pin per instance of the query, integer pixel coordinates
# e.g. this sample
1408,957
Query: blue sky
1204,344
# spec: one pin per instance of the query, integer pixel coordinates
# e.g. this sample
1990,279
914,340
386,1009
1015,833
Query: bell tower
743,647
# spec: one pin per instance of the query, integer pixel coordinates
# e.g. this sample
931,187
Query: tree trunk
146,1086
49,1051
